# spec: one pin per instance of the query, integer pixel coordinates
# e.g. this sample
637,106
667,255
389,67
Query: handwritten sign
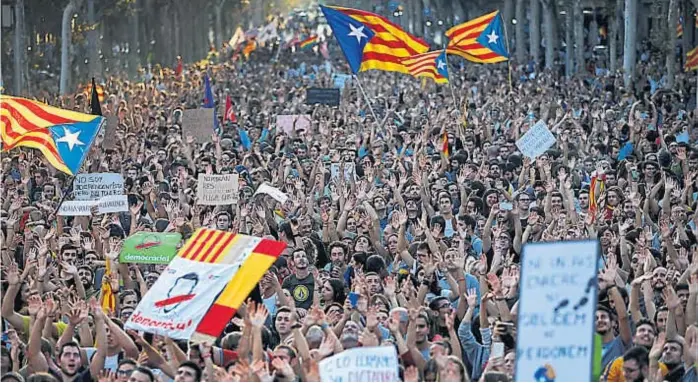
198,123
364,364
272,192
324,96
93,186
220,189
536,141
285,122
109,204
557,310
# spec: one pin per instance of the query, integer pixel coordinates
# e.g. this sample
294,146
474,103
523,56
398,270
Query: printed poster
556,313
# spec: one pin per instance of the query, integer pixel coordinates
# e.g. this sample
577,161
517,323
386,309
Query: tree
549,20
569,41
672,20
66,38
520,35
578,22
534,28
629,50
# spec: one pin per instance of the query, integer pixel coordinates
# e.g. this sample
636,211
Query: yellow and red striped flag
370,41
430,64
444,144
691,60
679,27
100,92
481,40
64,137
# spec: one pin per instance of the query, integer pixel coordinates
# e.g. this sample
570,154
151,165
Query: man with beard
613,346
301,283
670,352
70,360
338,263
645,333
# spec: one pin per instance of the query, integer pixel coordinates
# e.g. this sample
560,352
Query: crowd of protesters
429,239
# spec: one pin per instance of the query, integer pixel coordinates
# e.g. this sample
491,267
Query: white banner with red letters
180,298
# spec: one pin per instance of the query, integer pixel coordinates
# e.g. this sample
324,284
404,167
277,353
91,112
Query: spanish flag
691,60
309,42
481,40
254,257
370,41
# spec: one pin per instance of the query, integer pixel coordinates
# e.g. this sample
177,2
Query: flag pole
450,84
506,41
361,88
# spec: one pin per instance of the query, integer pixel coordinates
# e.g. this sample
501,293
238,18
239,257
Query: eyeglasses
124,372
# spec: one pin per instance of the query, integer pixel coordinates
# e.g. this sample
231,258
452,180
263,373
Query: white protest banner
272,192
284,122
198,123
180,298
109,204
557,309
363,364
93,186
217,189
536,141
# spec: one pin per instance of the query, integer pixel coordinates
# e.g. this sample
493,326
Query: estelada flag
480,40
229,112
691,60
370,41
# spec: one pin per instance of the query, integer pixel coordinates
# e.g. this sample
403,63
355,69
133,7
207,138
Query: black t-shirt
301,290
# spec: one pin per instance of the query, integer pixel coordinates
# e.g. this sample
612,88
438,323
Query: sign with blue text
362,364
557,308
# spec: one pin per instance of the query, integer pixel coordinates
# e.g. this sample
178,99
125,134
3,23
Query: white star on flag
357,32
440,64
71,139
492,38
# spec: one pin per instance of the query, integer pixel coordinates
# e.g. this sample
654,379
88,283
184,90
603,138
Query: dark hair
146,371
9,376
338,295
193,366
643,322
375,263
639,354
66,345
127,361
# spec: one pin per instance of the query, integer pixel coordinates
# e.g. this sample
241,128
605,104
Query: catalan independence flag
309,42
253,256
63,136
691,60
679,27
370,41
481,40
430,64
